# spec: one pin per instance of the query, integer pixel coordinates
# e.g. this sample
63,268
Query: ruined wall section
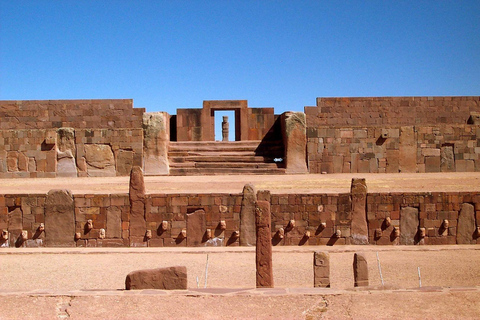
391,111
69,138
41,153
373,149
81,114
393,134
103,220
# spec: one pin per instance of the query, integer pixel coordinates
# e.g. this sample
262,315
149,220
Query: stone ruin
105,138
88,138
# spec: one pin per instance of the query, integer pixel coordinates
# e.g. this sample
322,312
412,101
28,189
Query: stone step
220,158
201,154
250,165
221,171
237,146
212,165
216,157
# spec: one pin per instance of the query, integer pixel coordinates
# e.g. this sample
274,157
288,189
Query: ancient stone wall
374,149
69,138
391,111
47,114
103,220
43,153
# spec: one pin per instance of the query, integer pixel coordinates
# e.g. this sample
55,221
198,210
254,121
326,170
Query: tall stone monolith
137,206
294,130
466,224
247,216
359,226
409,224
59,219
196,228
264,245
156,135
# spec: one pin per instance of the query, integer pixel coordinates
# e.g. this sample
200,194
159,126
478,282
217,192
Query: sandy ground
306,183
86,283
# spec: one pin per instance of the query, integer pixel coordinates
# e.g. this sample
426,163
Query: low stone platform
387,209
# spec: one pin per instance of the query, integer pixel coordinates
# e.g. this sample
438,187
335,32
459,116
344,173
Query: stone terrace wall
71,138
390,149
46,114
97,152
391,111
318,218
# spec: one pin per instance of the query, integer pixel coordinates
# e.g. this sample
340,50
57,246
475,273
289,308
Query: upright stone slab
408,225
321,270
100,160
66,165
447,159
407,150
359,226
360,270
156,137
171,278
114,222
466,224
138,224
247,216
59,219
196,228
295,141
263,252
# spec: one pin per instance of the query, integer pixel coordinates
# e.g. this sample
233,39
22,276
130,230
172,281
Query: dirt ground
87,283
304,183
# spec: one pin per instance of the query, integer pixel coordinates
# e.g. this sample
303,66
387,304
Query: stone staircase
217,157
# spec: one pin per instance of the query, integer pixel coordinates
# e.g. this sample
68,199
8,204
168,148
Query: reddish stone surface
321,269
263,257
171,278
196,228
360,270
59,219
137,203
409,224
359,227
295,140
247,216
156,137
466,224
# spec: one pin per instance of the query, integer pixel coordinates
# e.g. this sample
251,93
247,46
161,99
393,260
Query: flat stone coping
233,184
219,250
197,292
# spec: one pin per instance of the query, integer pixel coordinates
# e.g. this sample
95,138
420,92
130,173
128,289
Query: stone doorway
218,124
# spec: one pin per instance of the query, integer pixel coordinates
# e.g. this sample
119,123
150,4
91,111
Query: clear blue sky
283,54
